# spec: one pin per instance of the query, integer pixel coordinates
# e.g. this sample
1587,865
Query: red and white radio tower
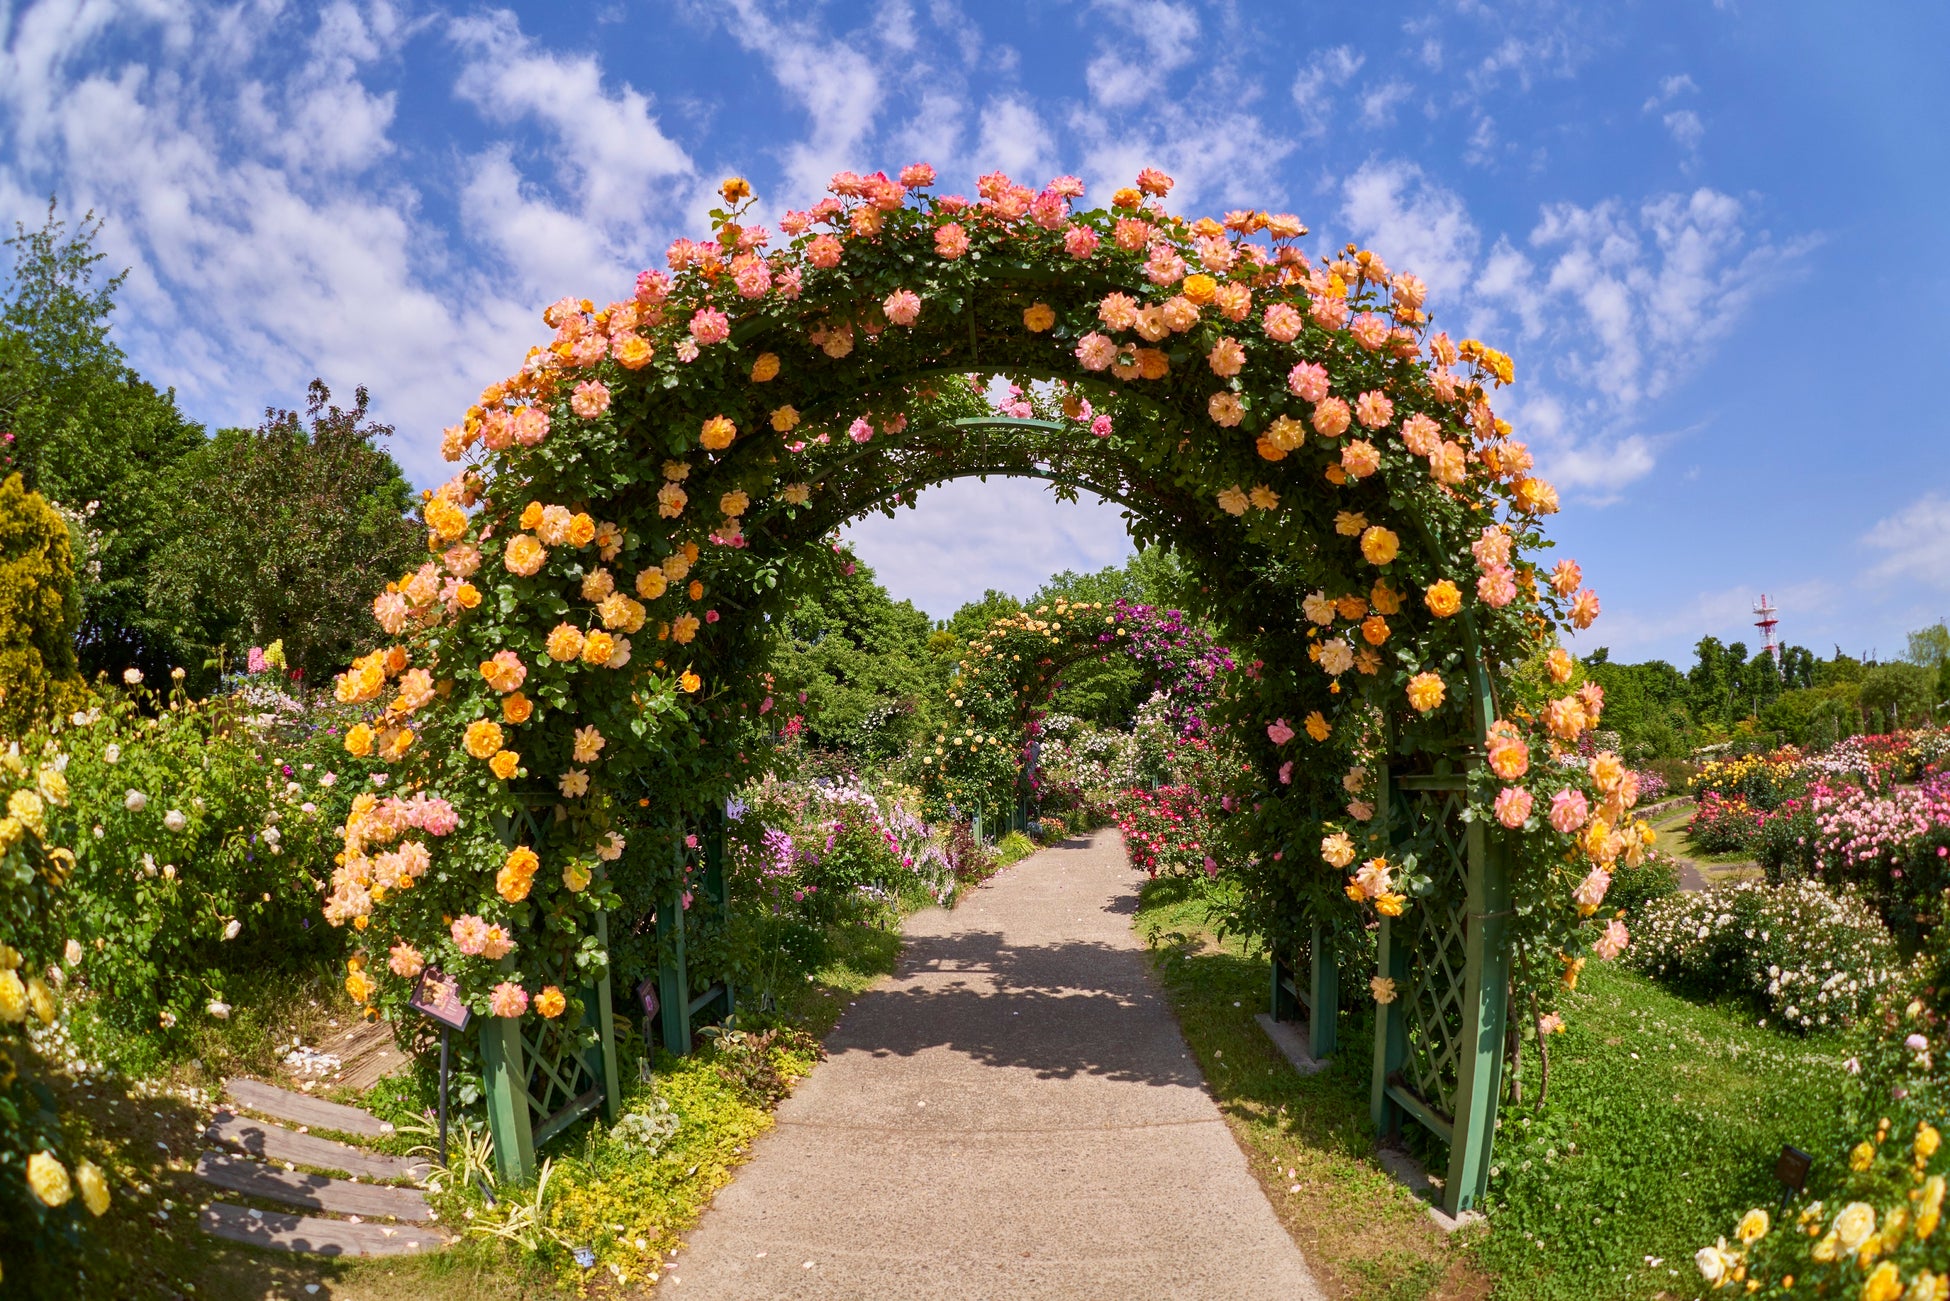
1767,623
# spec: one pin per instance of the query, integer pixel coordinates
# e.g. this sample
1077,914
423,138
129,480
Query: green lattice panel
1433,1004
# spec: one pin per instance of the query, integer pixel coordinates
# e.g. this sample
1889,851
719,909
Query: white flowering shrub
1814,959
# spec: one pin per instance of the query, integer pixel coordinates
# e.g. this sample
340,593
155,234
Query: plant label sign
438,996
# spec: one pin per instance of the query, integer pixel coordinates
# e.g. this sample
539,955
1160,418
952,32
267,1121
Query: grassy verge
626,1204
1307,1139
1663,1122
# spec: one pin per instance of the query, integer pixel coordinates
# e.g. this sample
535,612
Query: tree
861,658
287,532
88,434
1898,694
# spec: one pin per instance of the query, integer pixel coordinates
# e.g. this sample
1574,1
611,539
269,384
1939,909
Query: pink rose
1513,805
1307,381
1279,731
1613,941
508,999
1569,810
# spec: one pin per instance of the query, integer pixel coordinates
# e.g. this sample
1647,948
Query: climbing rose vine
574,678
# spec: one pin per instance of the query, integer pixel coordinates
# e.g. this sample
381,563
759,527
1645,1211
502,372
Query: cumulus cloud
967,536
1327,72
1915,543
1617,302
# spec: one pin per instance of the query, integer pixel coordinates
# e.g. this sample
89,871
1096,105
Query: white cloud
1670,88
1314,89
1915,543
1013,138
1685,128
1379,103
1414,223
967,536
834,82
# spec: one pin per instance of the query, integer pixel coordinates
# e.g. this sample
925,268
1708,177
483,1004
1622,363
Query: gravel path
1012,1114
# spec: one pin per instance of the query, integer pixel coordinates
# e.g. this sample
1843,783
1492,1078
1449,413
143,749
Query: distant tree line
1729,695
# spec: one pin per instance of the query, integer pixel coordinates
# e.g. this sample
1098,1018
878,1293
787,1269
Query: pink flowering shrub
1169,830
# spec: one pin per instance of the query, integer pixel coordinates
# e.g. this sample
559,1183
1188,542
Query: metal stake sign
438,996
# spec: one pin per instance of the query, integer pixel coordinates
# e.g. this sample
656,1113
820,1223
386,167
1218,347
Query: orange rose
1443,599
517,708
1426,691
482,739
504,764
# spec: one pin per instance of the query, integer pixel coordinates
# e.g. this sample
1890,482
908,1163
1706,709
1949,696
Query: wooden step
312,1192
261,1138
282,1232
297,1109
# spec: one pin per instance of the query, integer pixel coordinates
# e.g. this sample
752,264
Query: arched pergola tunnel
577,670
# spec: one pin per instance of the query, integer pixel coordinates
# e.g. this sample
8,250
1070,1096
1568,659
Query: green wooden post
1390,1035
1485,998
673,976
602,1059
1324,1010
505,1073
1285,1005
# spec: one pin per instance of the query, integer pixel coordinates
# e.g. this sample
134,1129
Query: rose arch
572,683
982,760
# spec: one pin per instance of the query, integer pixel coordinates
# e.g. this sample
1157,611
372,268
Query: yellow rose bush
1362,526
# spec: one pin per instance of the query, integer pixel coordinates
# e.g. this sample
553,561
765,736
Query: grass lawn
1663,1122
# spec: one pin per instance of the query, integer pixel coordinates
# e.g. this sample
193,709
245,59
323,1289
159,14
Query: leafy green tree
91,436
862,660
1898,695
287,532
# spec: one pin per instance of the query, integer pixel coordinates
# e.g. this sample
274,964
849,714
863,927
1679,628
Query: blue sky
1710,234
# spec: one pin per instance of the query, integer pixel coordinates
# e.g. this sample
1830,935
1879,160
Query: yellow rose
41,999
1379,545
13,997
1928,1139
48,1179
358,741
766,368
53,784
483,738
504,764
582,530
1200,288
531,515
576,877
1318,727
565,643
359,986
94,1188
525,556
598,647
517,707
683,628
1426,691
1443,599
717,434
27,806
651,584
1038,318
550,1002
1390,905
1753,1227
690,682
467,596
513,886
785,419
445,520
1884,1284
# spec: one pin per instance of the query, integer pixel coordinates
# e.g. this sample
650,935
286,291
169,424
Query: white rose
135,802
176,820
112,754
132,676
232,930
272,835
219,1009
